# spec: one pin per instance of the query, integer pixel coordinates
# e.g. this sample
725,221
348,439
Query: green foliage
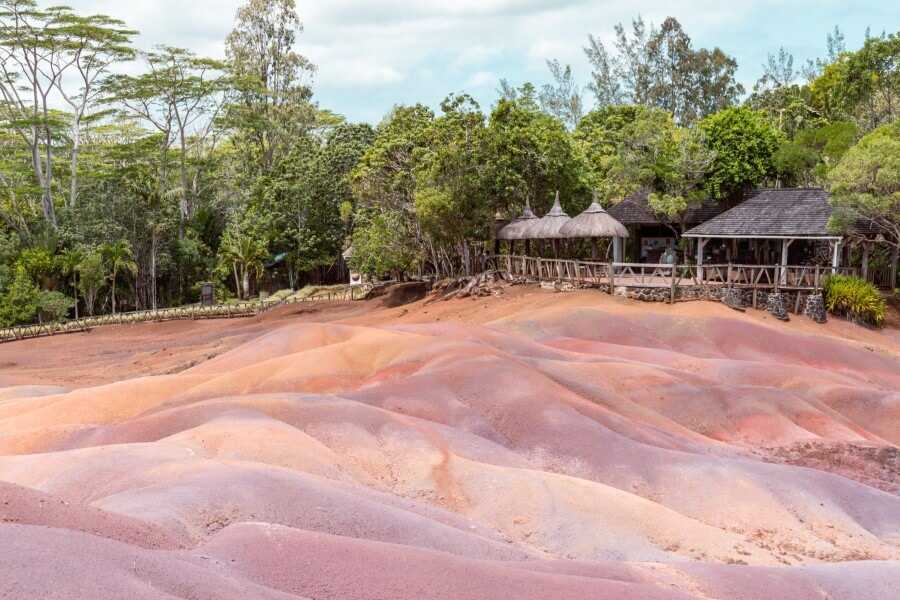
91,278
657,67
530,156
382,245
744,144
855,299
54,306
21,302
865,185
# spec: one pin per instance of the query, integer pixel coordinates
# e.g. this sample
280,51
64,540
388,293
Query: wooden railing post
612,279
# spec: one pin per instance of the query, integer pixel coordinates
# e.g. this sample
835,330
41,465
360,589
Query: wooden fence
641,275
194,312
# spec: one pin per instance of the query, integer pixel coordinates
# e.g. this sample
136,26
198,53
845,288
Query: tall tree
744,144
180,96
562,98
118,257
658,67
271,106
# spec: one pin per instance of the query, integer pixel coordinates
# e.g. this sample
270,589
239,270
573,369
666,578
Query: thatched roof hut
548,227
518,229
594,222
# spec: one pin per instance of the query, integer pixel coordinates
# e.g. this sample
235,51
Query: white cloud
419,50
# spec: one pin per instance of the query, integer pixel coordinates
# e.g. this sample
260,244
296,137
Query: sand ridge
547,445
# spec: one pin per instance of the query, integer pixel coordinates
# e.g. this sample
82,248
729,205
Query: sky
374,54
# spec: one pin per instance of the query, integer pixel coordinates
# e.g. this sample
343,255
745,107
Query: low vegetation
856,299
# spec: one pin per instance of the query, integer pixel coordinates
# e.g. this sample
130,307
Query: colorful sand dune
581,449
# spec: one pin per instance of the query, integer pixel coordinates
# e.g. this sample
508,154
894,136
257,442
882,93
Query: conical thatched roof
517,229
593,223
548,227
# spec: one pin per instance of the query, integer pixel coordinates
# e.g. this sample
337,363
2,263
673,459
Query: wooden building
650,235
782,226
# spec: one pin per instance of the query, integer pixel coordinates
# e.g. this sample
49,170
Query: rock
404,293
733,298
815,308
775,305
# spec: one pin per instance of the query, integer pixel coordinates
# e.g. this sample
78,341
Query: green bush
54,306
20,304
855,299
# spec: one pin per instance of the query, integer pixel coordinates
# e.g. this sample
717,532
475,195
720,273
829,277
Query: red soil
535,445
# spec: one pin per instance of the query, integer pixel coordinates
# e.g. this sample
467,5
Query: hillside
533,445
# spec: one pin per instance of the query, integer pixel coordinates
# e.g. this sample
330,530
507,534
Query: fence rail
762,277
181,313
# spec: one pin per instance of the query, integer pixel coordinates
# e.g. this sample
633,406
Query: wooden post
895,258
701,245
754,296
674,283
865,261
785,245
836,257
612,279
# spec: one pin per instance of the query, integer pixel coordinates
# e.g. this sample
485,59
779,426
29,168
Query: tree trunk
113,292
73,176
237,281
75,292
246,280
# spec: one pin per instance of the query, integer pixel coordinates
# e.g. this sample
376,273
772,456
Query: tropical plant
68,263
20,304
92,276
54,306
855,299
245,252
118,256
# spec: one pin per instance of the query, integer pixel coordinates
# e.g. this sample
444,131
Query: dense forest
125,191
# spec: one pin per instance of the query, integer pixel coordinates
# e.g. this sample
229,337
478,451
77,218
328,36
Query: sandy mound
541,446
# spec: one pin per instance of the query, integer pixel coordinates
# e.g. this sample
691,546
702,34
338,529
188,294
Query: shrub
855,299
20,304
54,306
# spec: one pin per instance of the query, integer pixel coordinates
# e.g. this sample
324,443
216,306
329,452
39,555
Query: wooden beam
865,261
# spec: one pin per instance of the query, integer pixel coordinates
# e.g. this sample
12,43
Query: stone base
733,298
815,308
775,305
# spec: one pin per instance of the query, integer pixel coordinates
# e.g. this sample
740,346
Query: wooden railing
195,312
791,277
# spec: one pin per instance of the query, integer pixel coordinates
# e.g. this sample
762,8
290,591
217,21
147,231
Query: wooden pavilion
784,226
651,235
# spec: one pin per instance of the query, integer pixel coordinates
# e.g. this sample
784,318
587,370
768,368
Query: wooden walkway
181,313
640,275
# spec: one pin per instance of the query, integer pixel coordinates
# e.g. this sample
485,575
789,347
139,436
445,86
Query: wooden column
701,246
865,261
618,249
785,246
895,258
836,257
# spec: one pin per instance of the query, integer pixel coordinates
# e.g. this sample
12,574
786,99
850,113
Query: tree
53,306
862,85
658,67
20,303
180,96
244,248
118,256
68,263
94,44
271,106
865,186
382,244
562,98
92,276
778,71
529,156
744,144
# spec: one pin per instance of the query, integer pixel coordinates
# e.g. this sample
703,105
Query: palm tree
118,257
68,264
246,255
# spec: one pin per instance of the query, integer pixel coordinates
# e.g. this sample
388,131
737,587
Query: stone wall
783,303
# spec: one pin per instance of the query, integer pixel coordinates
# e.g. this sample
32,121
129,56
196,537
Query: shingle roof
635,210
773,213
